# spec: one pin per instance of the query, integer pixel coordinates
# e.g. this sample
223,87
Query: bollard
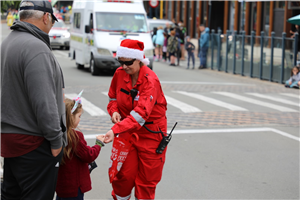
212,48
251,59
226,58
272,56
262,34
282,57
219,50
243,52
296,48
234,51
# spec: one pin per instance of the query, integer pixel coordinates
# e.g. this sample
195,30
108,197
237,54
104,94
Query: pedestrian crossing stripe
275,99
212,101
257,102
186,108
291,95
88,106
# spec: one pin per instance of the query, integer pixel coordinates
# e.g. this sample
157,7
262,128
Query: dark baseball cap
44,6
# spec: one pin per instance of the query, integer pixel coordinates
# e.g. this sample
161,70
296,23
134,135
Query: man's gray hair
27,14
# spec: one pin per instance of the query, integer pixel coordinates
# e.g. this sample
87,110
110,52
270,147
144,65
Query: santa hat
132,49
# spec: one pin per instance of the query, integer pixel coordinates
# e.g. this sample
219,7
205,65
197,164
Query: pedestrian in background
182,34
203,45
9,19
159,42
294,80
190,48
154,32
33,129
172,47
165,52
73,174
136,102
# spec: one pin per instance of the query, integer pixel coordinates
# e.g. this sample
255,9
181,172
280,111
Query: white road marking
291,95
186,108
204,83
88,106
254,101
275,99
105,93
232,130
212,101
60,53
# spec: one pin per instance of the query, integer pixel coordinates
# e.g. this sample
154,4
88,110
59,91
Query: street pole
242,10
161,9
209,14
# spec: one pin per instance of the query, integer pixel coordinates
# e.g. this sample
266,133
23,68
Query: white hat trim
132,53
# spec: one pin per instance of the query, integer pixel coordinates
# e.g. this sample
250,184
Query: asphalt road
237,137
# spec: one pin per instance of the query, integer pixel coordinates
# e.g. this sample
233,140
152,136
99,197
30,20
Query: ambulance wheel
94,70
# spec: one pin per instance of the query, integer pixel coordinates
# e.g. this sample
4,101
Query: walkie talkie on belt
165,141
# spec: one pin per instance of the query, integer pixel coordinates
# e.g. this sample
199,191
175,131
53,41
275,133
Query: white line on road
232,130
212,101
275,99
60,53
204,83
186,108
105,93
291,95
254,101
88,106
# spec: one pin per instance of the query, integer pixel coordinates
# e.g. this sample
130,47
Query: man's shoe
201,67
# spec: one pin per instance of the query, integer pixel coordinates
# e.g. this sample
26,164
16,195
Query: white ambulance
99,26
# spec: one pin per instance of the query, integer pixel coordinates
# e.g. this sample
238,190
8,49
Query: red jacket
75,173
149,105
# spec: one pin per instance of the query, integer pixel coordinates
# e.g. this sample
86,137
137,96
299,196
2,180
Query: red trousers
142,168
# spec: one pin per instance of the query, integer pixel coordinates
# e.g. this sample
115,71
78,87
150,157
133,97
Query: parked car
157,23
60,35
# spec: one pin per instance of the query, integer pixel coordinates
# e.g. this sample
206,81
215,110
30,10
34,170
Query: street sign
153,3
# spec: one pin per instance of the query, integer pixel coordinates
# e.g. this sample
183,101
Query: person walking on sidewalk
172,47
203,45
159,42
190,47
33,123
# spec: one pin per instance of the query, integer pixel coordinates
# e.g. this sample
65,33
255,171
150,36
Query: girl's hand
290,82
116,117
101,137
109,136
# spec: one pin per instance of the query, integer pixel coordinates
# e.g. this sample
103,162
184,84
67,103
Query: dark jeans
31,176
202,56
191,55
79,196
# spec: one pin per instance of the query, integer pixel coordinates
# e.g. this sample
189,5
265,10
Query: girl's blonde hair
71,134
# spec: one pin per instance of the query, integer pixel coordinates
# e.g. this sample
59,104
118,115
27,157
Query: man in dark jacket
33,130
203,45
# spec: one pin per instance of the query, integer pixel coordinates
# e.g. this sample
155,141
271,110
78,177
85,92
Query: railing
263,57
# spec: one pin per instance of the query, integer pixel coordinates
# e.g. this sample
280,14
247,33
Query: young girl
294,81
73,174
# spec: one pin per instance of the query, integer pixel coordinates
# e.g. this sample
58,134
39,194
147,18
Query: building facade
242,15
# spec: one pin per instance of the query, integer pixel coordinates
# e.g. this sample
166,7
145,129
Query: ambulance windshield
119,22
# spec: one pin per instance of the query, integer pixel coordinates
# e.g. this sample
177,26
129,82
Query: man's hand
109,136
55,152
116,117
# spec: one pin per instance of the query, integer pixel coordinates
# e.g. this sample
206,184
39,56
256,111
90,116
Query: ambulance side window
77,19
91,21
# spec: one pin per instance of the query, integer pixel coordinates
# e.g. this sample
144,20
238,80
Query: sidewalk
183,63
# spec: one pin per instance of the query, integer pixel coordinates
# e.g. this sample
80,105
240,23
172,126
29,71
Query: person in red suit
74,174
137,105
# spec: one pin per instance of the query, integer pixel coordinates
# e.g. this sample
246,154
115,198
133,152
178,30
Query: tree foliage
9,4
